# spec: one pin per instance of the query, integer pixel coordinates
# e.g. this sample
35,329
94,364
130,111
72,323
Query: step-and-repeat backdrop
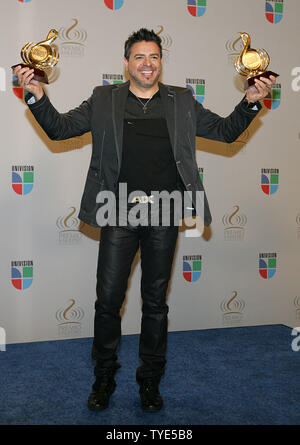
245,268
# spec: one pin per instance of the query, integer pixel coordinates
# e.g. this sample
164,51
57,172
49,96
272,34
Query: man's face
144,64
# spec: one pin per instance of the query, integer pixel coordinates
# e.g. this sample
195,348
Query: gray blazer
103,115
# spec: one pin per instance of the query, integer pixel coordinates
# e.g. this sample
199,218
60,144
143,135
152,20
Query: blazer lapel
119,96
168,98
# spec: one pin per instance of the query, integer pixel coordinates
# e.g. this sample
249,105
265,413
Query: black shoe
151,400
103,388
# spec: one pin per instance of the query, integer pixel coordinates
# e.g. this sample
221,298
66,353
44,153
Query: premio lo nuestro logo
234,225
114,4
112,79
274,10
272,100
69,319
297,306
298,225
232,308
166,42
269,180
22,178
192,267
21,274
197,87
267,265
196,7
68,226
234,47
24,1
73,40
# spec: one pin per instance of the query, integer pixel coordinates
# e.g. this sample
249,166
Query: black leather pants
118,246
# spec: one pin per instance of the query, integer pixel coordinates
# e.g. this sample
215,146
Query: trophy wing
24,53
53,58
265,59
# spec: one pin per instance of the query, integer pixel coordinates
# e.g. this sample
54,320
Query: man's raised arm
58,126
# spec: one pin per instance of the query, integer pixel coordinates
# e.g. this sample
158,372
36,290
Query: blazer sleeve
225,129
60,126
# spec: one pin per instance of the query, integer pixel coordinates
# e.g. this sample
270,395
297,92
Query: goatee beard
144,84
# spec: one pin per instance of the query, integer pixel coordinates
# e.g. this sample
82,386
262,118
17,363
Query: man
143,136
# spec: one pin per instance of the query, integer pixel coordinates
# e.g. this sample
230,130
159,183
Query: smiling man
143,63
144,137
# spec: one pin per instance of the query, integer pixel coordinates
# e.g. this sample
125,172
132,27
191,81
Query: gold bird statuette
40,56
252,62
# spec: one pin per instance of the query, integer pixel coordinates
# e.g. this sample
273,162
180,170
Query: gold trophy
40,56
252,63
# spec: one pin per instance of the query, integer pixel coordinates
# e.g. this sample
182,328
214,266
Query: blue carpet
232,376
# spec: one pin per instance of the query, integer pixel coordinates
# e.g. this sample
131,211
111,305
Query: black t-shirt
147,158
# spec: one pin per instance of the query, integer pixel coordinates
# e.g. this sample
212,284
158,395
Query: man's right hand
25,80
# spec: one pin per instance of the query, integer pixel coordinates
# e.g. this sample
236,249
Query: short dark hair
141,35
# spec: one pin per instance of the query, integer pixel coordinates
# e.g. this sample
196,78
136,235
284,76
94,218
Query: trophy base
39,75
250,82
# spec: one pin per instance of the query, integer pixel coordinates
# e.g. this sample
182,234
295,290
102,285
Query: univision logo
197,87
21,274
192,267
201,173
267,265
22,179
272,100
24,1
196,7
269,180
114,4
17,90
112,79
274,10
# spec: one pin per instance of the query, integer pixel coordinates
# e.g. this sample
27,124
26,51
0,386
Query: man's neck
144,93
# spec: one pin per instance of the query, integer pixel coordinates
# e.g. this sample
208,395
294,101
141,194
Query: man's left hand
261,90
